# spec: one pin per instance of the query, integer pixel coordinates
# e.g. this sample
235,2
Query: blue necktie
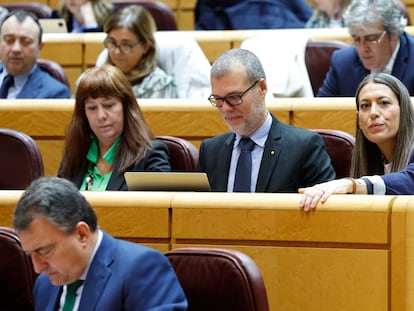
243,177
8,81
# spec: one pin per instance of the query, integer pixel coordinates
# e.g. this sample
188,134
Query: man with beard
280,157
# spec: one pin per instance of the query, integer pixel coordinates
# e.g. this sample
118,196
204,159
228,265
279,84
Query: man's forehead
27,27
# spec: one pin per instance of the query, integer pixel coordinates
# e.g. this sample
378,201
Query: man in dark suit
59,230
283,158
380,45
20,45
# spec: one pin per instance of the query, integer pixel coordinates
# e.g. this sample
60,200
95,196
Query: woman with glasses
84,15
380,44
384,137
131,47
107,134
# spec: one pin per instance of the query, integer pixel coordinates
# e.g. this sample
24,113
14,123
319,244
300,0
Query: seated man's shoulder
219,139
53,84
299,133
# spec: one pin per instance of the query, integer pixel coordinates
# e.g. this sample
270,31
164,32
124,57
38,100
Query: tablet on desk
53,25
167,181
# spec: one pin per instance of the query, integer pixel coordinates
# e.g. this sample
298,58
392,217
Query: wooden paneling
301,262
351,253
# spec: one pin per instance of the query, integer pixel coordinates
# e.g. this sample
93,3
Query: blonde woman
84,15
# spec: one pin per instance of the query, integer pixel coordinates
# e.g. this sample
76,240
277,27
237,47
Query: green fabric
99,181
71,295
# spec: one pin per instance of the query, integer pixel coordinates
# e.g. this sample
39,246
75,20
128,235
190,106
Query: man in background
380,45
20,45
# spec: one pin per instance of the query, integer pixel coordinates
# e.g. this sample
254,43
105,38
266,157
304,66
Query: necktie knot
71,295
246,144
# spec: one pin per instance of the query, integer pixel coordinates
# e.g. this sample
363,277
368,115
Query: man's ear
262,86
83,231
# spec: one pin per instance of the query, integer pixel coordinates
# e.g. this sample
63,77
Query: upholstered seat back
162,13
41,10
17,276
20,160
219,279
183,154
318,60
339,145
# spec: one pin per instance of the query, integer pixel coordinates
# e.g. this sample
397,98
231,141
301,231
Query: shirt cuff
378,185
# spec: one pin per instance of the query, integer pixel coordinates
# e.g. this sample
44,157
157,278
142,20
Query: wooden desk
353,253
46,119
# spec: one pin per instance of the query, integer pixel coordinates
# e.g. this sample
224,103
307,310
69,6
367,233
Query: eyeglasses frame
212,99
375,42
118,46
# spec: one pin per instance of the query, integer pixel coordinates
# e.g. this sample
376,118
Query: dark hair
56,199
367,158
21,16
106,81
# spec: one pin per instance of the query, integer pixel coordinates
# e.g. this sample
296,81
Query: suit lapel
223,165
53,303
98,275
401,60
272,150
117,180
32,86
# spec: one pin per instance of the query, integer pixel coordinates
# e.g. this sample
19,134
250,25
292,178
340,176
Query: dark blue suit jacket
401,182
299,160
40,84
251,14
122,276
347,71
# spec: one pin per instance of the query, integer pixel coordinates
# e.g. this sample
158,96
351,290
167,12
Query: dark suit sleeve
157,158
317,167
400,182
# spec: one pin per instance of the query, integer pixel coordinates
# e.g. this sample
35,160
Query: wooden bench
46,119
353,253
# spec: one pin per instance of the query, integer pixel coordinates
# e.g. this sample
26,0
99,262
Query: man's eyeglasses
124,47
372,39
232,100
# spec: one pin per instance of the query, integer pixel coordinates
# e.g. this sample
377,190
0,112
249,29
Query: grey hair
364,13
224,64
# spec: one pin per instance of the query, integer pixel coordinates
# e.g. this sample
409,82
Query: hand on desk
321,192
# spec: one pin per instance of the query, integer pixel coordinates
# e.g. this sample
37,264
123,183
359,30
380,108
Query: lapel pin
272,152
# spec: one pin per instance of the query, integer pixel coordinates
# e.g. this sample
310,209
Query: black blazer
292,158
156,159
